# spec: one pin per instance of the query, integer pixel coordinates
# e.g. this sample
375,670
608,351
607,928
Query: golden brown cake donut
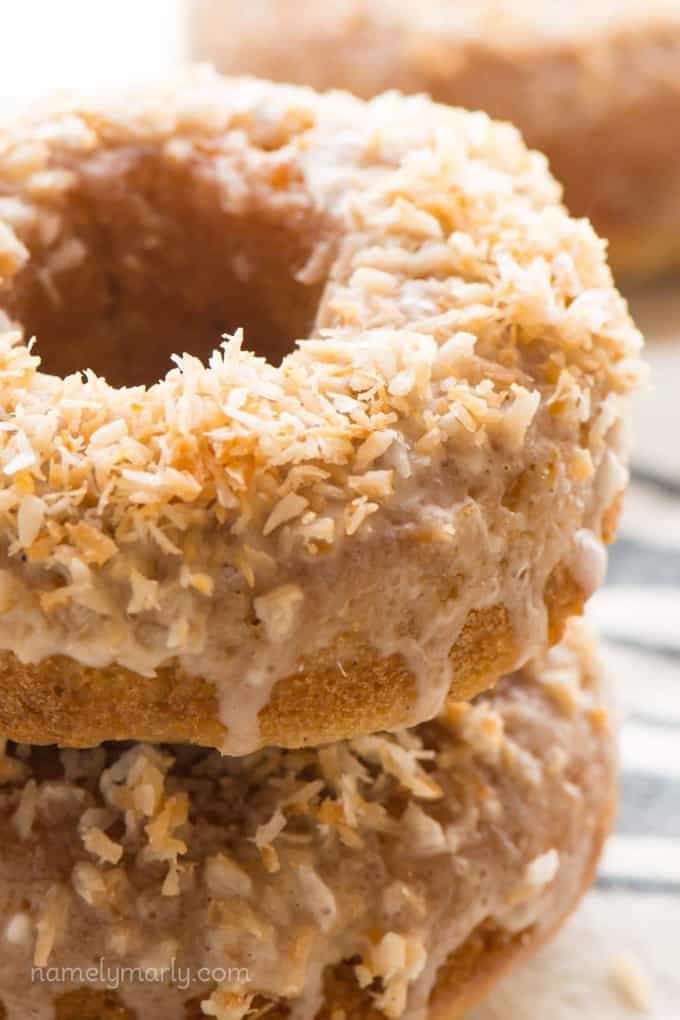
389,876
326,539
595,85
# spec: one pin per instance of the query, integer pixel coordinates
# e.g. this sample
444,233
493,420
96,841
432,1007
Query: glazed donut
594,85
373,877
326,537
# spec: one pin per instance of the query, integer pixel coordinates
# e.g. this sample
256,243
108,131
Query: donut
594,85
394,875
397,493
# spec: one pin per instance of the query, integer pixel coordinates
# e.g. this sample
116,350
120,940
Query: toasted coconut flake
287,509
25,814
98,843
373,484
224,878
397,960
377,444
144,593
29,520
89,883
632,982
426,834
318,898
278,610
51,924
225,1004
163,845
92,544
400,763
268,832
357,512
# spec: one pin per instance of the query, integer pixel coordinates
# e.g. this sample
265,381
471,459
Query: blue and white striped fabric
620,954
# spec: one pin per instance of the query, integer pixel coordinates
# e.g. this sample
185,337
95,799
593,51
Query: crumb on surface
632,982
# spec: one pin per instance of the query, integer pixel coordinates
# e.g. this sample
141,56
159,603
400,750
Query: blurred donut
593,85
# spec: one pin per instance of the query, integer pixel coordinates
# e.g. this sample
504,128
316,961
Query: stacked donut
285,731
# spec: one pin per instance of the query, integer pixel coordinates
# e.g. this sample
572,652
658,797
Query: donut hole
152,256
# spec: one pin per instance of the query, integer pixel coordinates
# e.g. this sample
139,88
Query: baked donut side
593,89
401,497
382,876
61,701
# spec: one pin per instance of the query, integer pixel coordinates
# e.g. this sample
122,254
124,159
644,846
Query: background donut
593,85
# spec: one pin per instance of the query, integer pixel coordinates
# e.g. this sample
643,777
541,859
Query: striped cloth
620,954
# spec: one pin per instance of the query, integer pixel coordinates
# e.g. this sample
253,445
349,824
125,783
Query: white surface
646,685
656,435
659,756
646,857
571,979
629,613
51,45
